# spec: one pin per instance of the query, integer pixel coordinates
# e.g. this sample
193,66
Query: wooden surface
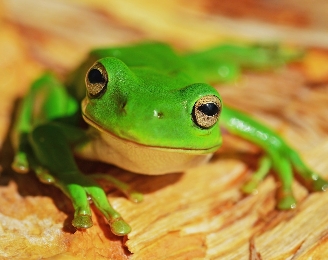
200,213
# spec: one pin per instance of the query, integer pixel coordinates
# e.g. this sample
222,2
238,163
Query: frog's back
158,56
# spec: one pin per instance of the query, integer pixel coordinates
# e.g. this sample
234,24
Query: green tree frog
150,110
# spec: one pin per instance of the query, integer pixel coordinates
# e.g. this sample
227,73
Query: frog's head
152,108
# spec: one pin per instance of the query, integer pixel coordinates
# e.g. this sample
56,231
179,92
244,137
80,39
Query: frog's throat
172,149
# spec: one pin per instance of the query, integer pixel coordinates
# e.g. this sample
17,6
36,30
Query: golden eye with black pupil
206,111
96,80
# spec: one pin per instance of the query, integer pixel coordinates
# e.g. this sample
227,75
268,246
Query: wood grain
197,214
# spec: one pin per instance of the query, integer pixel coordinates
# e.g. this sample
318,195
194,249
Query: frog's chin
140,158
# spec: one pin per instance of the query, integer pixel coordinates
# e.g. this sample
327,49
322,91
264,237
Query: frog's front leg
280,156
263,169
50,145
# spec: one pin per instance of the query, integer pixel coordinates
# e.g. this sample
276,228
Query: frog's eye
96,80
206,111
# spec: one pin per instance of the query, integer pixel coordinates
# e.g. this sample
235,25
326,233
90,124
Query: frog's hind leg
224,63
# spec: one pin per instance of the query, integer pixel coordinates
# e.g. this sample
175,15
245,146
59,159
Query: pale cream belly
142,159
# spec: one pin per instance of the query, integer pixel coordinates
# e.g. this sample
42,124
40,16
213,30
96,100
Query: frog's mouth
170,149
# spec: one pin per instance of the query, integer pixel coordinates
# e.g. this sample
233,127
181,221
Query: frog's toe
250,187
318,184
44,175
286,201
20,163
82,221
136,197
119,227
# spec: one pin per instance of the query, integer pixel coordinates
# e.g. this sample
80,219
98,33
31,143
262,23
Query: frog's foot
20,163
284,164
285,196
79,188
117,224
132,195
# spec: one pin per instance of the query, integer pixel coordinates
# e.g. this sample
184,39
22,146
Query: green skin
147,100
